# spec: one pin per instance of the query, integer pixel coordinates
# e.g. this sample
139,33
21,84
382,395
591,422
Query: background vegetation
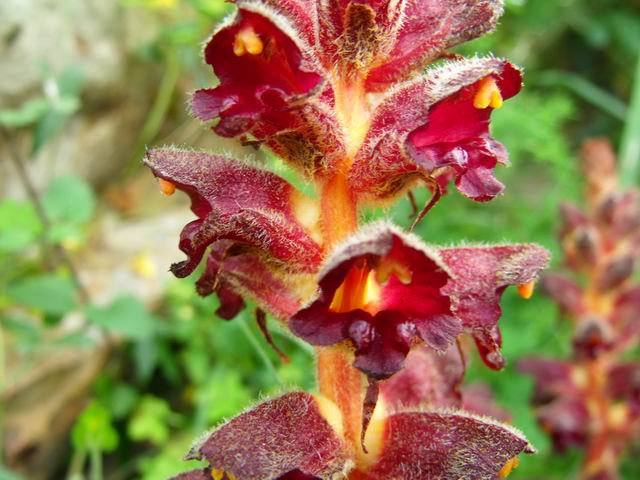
171,370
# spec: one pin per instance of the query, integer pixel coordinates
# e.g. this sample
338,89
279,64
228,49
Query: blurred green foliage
181,371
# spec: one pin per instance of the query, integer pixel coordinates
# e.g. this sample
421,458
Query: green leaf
26,114
93,429
224,395
69,198
19,226
152,420
6,474
47,293
630,144
126,317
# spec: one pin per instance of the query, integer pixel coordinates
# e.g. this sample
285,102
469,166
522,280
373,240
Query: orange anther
509,467
488,94
247,41
526,290
166,187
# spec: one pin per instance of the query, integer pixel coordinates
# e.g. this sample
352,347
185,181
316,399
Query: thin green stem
76,466
96,463
630,145
259,350
2,387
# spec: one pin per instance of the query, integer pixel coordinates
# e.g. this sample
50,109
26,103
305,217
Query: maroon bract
294,437
480,276
249,218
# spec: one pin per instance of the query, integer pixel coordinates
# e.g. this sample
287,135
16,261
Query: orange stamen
166,187
247,41
526,290
358,290
488,95
511,465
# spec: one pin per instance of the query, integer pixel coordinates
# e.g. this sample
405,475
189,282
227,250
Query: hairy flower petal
447,446
425,30
429,127
480,276
286,435
427,379
235,201
233,275
248,217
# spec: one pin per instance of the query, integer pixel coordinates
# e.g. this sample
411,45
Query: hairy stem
338,380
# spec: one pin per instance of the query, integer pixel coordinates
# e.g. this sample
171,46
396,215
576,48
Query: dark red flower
480,276
381,290
256,225
297,75
437,126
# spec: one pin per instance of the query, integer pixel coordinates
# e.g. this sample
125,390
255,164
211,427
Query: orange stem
338,380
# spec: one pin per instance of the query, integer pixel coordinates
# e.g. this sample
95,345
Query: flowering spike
317,82
526,290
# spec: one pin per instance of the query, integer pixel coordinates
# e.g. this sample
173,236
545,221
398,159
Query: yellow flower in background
161,4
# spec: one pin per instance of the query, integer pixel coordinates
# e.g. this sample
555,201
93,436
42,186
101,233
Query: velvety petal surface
431,127
233,275
284,436
425,29
384,42
479,277
446,446
427,379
